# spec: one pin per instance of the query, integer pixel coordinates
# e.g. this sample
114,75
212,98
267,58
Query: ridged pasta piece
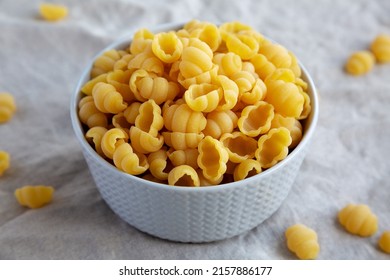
184,176
144,142
285,98
105,63
233,27
277,55
158,164
89,114
205,77
149,118
34,196
228,63
293,125
125,159
94,136
239,146
246,169
220,122
384,242
107,99
4,161
208,33
295,65
142,40
88,86
7,107
123,62
306,104
247,66
283,74
120,80
53,12
273,147
167,46
358,219
206,182
131,112
184,157
196,59
256,119
203,97
230,93
302,241
212,158
360,63
146,86
263,66
111,139
380,47
147,61
244,45
181,118
251,89
182,140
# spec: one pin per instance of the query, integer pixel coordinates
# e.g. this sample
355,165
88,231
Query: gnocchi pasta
360,63
358,219
34,196
302,241
53,12
7,107
4,162
384,242
197,106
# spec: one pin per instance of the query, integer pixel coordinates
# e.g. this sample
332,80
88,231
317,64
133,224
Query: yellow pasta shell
246,169
212,158
147,61
88,86
107,99
380,47
358,219
183,175
53,12
112,138
303,241
128,161
220,122
149,118
293,125
4,162
95,135
243,45
203,97
143,142
196,59
167,46
273,147
285,98
120,80
256,119
384,242
181,118
229,63
360,63
7,107
158,164
142,40
34,196
105,62
182,140
239,146
89,114
276,54
184,157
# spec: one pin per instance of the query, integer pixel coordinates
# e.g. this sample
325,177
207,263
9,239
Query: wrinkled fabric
347,161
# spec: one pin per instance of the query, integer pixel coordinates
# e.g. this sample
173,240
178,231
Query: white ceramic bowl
188,214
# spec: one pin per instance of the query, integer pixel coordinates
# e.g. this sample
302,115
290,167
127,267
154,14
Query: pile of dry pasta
197,106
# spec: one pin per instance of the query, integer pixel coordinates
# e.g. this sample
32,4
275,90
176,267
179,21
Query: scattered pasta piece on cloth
347,162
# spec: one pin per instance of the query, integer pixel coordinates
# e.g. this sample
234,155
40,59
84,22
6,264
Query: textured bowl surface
193,214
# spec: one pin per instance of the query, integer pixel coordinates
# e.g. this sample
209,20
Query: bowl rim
124,41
